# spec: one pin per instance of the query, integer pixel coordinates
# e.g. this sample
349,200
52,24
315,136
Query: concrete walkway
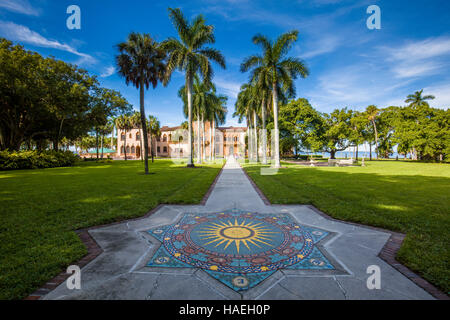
123,270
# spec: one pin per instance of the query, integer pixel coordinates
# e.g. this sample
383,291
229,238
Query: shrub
15,160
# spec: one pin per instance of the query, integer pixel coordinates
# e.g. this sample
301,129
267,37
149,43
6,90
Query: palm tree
141,62
282,71
416,99
190,55
154,129
248,104
202,96
216,116
372,113
124,123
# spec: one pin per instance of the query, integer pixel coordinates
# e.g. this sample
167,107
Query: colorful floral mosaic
239,248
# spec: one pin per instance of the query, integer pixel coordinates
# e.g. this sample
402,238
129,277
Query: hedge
16,160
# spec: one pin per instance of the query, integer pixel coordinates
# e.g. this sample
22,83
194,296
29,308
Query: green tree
141,62
337,131
372,113
282,71
191,55
416,99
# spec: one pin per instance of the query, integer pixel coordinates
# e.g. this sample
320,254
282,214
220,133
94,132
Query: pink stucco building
172,143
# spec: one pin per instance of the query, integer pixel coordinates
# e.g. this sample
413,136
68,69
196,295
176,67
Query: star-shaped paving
239,248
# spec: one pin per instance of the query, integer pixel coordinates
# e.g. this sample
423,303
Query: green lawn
40,209
413,198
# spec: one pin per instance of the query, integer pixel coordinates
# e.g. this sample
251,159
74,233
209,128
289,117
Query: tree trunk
152,148
376,138
250,141
370,151
144,125
256,135
264,133
214,140
357,152
333,154
96,141
210,141
101,145
276,152
203,139
190,134
199,151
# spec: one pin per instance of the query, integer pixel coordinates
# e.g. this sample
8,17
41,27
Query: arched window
180,139
164,138
235,139
128,149
133,150
165,150
158,149
138,136
130,136
122,137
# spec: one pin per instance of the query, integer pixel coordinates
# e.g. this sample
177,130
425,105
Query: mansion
173,142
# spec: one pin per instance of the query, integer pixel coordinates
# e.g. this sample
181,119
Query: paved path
126,268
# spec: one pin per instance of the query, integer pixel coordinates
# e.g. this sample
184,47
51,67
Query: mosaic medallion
239,248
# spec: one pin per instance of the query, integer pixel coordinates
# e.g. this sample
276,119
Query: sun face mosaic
239,248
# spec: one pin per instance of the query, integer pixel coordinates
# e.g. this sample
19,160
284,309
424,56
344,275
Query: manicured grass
413,198
40,209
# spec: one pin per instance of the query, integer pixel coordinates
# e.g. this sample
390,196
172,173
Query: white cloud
441,93
21,33
108,72
19,6
419,58
230,88
324,45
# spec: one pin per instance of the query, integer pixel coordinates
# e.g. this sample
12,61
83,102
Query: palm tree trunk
370,151
96,141
144,125
190,133
152,148
112,138
275,120
101,145
214,141
250,142
199,151
376,138
210,141
256,136
203,139
264,133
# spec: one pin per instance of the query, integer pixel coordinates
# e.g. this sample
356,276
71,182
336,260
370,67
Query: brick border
94,250
387,253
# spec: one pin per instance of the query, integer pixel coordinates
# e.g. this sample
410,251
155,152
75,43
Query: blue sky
350,65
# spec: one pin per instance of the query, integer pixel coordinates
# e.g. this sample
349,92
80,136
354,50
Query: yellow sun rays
228,232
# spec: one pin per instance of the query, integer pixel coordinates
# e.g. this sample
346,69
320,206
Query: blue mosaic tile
238,248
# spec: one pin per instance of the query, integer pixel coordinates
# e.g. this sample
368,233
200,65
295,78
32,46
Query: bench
336,162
